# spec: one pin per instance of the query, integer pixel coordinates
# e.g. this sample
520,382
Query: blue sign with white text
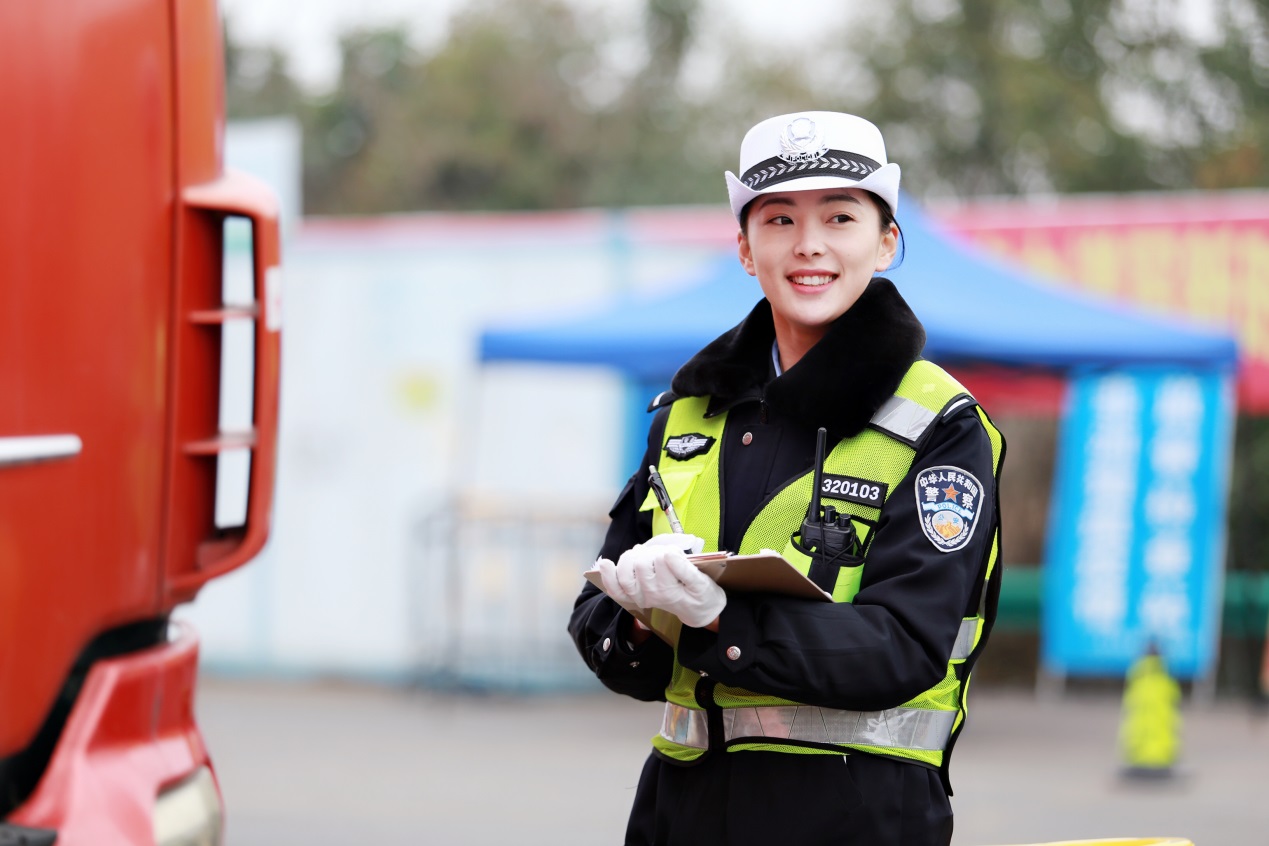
1137,524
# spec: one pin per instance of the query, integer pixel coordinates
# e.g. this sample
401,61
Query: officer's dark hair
883,212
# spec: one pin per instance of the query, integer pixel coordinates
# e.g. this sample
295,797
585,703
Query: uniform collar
840,382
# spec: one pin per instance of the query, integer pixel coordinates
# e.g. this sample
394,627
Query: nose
810,242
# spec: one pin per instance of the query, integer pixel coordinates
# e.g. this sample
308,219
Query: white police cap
805,151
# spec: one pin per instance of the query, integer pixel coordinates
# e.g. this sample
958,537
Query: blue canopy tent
974,308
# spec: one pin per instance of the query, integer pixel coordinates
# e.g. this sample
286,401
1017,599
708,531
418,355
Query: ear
746,255
888,248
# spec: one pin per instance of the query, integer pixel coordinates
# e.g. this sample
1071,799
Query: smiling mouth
808,281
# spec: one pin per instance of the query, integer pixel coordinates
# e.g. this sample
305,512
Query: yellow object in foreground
1150,734
1119,841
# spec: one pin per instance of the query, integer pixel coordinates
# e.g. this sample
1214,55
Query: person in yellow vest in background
1150,731
791,720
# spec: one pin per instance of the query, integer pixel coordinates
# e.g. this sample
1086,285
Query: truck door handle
28,449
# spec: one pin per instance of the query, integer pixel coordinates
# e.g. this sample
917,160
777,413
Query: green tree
520,107
1236,65
993,97
494,119
258,82
645,134
668,139
1012,96
357,139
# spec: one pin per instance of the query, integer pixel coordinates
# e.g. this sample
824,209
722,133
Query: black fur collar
841,381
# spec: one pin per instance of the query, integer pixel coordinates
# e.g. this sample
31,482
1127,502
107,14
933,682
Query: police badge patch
683,447
948,499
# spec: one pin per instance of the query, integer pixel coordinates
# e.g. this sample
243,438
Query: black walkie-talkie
828,535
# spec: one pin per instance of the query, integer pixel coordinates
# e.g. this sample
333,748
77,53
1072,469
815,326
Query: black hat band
834,162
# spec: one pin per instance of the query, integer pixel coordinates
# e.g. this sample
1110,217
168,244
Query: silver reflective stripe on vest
965,639
903,418
917,729
685,726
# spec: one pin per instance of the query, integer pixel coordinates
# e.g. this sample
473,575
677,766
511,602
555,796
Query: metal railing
491,590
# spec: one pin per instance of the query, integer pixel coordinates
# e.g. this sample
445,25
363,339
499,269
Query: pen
663,499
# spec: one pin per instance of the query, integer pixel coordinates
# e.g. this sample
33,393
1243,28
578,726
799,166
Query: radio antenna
813,508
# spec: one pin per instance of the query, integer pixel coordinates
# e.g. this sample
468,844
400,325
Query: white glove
690,544
619,579
632,597
676,585
657,574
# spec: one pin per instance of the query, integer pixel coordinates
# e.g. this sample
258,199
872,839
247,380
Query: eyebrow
840,198
830,198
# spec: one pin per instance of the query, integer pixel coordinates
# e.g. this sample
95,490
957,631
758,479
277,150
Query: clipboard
762,572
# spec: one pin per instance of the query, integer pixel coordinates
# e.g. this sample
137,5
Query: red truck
112,213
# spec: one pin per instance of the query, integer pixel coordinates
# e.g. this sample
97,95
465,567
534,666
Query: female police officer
790,720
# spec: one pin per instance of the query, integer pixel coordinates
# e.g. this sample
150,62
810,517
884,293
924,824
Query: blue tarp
975,308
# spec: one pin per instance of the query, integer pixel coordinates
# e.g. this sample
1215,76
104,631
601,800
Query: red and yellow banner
1201,257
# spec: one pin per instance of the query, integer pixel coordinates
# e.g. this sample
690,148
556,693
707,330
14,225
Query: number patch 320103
851,489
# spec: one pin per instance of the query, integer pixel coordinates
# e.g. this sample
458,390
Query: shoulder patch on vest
683,447
948,504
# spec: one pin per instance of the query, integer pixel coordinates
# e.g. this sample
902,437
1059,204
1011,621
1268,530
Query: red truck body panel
131,733
86,251
111,316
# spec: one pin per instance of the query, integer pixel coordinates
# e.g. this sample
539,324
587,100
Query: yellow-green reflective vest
884,453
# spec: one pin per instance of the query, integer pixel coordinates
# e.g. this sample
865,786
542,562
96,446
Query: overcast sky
308,31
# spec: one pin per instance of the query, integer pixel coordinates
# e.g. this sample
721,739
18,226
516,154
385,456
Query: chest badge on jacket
683,447
948,499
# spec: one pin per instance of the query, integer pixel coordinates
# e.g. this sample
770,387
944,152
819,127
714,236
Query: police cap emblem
801,142
683,447
949,502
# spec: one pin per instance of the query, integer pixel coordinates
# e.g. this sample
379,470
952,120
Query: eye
781,220
841,217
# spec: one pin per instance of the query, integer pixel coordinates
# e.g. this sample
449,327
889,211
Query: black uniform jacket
892,642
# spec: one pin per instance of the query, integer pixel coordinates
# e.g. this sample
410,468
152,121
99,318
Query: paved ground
327,764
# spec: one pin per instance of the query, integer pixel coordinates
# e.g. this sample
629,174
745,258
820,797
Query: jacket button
607,644
746,438
733,652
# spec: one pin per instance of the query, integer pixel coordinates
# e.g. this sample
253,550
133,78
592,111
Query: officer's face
813,253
